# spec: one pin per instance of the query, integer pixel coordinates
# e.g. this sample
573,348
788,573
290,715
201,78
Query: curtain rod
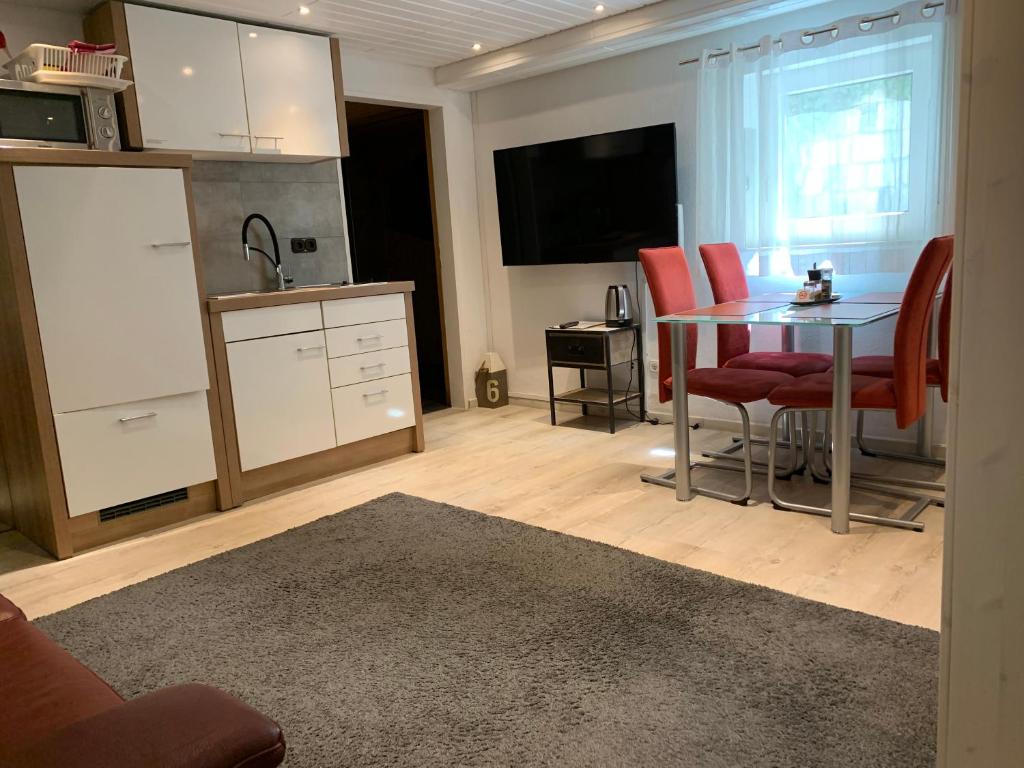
812,33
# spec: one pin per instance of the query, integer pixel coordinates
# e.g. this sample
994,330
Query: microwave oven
68,117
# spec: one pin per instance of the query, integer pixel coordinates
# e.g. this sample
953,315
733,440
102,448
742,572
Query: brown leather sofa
56,712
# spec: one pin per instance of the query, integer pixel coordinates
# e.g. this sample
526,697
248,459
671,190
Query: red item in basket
79,47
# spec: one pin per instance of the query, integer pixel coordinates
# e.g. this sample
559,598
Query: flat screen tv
593,199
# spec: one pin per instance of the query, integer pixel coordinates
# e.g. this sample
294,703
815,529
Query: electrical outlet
304,245
652,366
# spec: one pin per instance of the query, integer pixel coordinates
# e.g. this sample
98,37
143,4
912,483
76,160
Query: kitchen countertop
230,302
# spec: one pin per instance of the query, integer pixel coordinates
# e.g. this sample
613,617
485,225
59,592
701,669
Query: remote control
570,324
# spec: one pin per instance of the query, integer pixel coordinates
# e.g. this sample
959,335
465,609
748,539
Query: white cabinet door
114,282
188,76
282,398
289,89
122,453
374,408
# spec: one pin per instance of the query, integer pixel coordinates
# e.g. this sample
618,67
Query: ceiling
423,32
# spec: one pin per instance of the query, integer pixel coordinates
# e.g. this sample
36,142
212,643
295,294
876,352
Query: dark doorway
389,200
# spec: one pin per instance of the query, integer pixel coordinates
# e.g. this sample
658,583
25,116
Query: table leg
788,345
551,391
680,413
842,387
611,392
583,385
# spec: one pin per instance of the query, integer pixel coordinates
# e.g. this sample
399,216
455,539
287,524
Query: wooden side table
596,348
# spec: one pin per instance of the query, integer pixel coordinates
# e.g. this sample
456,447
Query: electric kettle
618,306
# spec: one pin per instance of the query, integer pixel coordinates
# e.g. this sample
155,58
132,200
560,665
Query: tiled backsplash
300,199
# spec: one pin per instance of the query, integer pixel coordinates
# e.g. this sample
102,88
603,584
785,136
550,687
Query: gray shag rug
409,633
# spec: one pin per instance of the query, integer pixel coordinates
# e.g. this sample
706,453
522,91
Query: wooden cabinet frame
28,439
258,482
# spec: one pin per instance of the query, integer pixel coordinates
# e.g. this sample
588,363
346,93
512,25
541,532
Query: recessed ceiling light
304,10
599,8
253,34
477,46
187,71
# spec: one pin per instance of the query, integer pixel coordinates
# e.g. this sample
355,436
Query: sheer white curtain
827,148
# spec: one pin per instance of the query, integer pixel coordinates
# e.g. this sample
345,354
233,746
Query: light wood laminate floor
573,478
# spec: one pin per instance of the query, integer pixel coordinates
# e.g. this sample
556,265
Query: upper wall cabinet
188,77
289,89
218,88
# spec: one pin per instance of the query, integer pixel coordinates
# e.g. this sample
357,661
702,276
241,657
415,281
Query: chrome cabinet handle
272,138
369,338
180,244
126,419
234,135
371,367
368,395
309,349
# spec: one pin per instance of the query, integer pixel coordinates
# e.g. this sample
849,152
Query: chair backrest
945,312
910,345
728,283
668,277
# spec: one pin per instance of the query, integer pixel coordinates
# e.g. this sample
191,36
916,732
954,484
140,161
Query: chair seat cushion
815,391
792,363
732,385
881,366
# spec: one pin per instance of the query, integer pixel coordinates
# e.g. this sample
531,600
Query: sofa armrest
9,611
186,726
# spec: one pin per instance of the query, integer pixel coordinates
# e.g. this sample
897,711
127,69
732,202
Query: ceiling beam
646,27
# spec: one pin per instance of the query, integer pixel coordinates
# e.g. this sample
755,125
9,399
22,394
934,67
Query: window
841,155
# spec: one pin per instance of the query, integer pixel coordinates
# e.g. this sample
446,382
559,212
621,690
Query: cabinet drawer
364,309
354,369
121,453
356,339
272,321
374,408
582,349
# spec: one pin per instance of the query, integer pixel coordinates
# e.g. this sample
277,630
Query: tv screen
593,199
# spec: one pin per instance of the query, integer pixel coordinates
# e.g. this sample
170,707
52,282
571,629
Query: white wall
451,132
24,25
633,90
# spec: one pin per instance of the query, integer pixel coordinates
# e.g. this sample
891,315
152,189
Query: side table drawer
582,349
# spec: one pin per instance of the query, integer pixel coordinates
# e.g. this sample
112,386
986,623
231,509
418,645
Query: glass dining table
775,309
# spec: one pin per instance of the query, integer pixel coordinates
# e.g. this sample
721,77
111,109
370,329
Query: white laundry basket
59,65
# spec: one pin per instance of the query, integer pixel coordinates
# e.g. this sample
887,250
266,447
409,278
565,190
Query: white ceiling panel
424,32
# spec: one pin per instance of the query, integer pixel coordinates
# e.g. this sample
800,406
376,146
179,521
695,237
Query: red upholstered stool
904,394
672,291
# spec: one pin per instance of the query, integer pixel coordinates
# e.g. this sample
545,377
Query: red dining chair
668,277
729,283
904,393
936,371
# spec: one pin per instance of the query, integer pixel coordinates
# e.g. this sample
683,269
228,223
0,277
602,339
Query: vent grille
141,505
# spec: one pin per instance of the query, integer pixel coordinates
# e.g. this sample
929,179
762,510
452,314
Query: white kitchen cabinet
355,369
114,283
289,88
375,408
272,321
356,339
126,452
188,77
364,309
282,398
